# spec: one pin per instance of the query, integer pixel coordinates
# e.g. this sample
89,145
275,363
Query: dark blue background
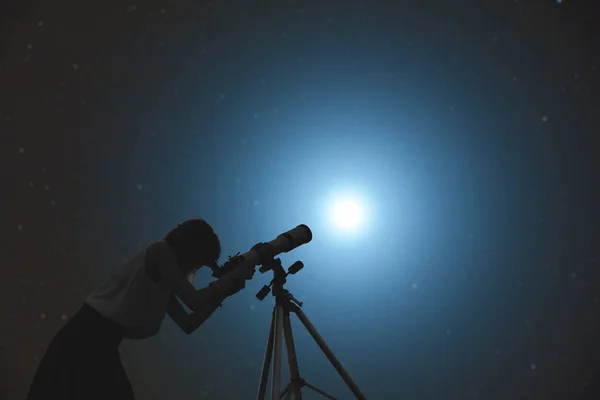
470,128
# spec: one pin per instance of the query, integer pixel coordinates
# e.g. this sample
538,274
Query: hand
236,286
242,272
229,288
235,280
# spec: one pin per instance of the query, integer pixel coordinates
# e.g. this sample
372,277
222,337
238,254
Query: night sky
466,131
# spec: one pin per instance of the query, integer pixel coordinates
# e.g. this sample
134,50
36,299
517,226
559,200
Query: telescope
261,252
280,329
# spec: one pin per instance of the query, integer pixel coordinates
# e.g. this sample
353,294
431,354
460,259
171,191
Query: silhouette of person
83,362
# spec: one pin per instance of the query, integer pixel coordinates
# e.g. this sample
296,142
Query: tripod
285,303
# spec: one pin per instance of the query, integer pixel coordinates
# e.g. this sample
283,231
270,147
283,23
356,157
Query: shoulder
157,250
160,253
153,255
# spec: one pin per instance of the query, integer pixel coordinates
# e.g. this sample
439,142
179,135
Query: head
195,244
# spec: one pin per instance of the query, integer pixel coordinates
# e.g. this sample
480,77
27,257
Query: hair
190,238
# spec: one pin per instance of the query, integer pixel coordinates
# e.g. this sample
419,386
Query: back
132,299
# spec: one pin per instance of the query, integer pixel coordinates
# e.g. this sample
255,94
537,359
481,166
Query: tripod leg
276,383
292,359
322,393
286,394
264,375
329,354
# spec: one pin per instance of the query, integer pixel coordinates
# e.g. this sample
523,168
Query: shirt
132,299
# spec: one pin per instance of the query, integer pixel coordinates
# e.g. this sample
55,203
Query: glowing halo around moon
346,214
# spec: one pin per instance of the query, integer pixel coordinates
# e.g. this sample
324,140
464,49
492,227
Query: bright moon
346,214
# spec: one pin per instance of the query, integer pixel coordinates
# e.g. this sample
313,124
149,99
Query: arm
197,318
160,253
178,314
189,322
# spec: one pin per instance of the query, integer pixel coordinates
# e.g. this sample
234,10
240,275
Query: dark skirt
82,362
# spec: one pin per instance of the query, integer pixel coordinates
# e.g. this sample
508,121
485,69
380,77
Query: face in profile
192,276
194,262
